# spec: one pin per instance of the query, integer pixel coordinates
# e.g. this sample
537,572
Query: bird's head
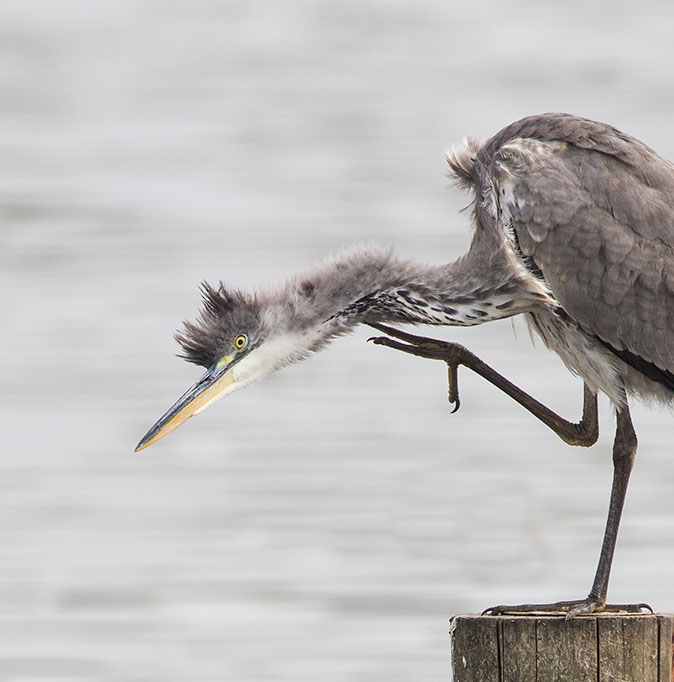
238,339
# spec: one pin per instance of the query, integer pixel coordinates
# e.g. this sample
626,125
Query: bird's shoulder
580,132
593,208
561,177
602,157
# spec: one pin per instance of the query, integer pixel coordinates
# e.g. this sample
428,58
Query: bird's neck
371,284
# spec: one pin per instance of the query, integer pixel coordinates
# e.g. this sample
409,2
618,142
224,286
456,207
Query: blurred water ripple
325,524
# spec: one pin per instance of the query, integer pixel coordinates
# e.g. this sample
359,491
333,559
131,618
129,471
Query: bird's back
591,210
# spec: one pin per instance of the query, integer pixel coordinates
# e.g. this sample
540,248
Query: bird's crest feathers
224,314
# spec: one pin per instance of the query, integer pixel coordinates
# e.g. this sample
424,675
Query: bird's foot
423,346
419,342
569,608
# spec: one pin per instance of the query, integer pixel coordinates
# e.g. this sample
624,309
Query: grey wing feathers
594,209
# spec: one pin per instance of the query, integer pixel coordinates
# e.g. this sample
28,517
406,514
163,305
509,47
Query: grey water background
324,524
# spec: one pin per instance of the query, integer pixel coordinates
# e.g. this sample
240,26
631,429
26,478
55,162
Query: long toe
419,341
569,608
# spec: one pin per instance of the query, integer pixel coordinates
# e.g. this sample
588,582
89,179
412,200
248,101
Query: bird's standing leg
624,451
583,433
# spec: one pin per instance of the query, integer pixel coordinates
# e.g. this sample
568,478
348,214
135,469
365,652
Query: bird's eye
240,342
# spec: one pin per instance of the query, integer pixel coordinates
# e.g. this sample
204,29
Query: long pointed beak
198,397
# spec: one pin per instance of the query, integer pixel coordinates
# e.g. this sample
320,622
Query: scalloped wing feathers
594,208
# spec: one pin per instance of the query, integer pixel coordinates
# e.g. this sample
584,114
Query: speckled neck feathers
361,284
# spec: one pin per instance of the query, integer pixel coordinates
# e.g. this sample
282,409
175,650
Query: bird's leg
624,451
583,433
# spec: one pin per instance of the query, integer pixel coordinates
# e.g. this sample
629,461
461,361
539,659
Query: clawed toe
418,341
452,353
567,608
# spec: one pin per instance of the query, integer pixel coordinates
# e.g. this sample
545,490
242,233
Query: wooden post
605,647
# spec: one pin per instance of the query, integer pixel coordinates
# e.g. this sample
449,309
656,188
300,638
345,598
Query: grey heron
573,228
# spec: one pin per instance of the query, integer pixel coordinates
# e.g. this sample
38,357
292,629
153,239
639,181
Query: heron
573,228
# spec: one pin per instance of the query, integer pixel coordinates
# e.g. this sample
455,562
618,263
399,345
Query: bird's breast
580,352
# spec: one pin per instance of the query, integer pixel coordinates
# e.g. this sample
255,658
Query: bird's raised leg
583,433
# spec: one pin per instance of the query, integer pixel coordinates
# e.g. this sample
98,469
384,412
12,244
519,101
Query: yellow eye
240,342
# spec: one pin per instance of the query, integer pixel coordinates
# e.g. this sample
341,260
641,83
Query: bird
572,228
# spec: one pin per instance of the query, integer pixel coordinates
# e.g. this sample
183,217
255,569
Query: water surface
327,523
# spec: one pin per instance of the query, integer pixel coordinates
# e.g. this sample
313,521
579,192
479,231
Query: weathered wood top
605,647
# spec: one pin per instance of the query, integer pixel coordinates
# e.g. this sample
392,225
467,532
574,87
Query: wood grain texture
543,648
